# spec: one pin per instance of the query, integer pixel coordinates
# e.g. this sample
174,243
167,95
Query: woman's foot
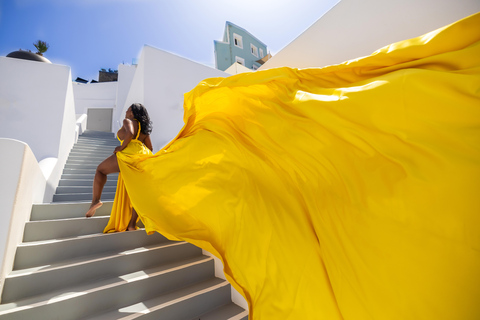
131,228
93,207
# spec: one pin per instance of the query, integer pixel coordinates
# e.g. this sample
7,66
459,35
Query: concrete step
93,149
101,154
41,253
83,189
84,157
99,145
229,311
63,228
25,283
113,293
51,211
97,152
70,165
82,139
86,141
86,176
98,134
69,197
79,171
86,160
85,183
186,303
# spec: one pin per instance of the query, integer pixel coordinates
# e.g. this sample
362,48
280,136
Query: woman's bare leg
109,165
133,221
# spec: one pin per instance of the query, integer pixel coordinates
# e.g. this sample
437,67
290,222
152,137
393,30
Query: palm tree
41,46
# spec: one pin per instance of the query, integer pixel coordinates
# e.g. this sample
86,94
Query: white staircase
66,268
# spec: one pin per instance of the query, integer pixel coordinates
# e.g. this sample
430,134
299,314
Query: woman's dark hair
141,114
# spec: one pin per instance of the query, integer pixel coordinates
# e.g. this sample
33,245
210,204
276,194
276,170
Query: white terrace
42,115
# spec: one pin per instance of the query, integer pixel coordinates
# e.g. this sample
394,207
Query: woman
134,136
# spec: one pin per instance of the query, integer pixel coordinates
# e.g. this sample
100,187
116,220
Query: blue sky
91,34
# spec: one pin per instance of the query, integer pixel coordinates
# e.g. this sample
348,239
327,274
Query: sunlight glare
135,276
136,308
136,250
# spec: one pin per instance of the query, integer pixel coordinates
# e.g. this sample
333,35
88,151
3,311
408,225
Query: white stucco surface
237,298
356,28
94,95
81,124
37,107
33,96
159,83
125,78
22,183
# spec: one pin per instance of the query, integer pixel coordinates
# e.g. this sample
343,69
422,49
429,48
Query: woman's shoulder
133,122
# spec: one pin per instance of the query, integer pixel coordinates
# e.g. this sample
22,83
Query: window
261,53
254,67
240,60
254,50
237,40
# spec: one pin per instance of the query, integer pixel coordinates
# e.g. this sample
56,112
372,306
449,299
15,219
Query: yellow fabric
122,207
344,192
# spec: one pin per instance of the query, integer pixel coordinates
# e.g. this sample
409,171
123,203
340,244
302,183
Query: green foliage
41,46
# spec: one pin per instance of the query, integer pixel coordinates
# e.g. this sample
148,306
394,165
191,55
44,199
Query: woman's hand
117,149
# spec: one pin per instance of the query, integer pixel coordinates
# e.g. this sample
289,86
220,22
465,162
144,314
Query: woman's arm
129,131
148,143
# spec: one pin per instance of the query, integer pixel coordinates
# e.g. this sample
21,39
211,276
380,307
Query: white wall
37,107
94,95
125,78
159,83
22,183
356,28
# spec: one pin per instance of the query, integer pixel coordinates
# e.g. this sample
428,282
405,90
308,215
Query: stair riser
93,149
34,255
86,164
115,297
79,171
96,146
98,134
81,166
83,157
93,155
22,287
99,142
82,197
66,210
84,183
86,176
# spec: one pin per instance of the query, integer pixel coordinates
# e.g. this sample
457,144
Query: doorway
99,119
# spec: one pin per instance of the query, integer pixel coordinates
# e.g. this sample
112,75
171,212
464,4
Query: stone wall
107,76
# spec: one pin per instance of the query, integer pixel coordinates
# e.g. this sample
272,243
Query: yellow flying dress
122,206
344,192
